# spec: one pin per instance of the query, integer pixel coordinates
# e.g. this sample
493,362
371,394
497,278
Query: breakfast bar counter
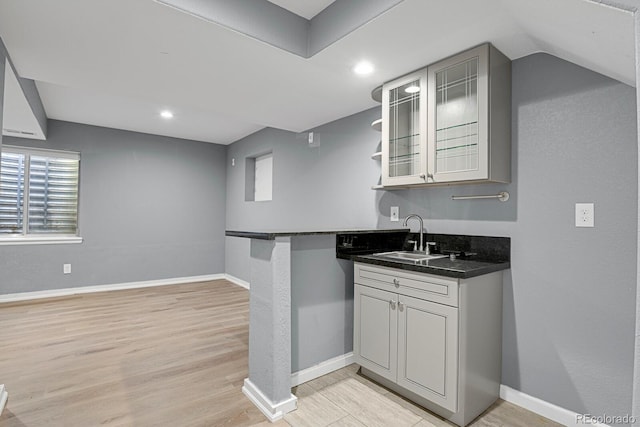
298,266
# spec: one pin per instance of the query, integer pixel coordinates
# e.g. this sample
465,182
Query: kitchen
558,349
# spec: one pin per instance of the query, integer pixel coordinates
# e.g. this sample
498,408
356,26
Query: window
38,195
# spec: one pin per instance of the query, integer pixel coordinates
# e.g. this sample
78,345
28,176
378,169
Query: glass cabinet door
457,140
404,131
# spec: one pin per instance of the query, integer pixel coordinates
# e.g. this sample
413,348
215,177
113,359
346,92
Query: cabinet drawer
418,285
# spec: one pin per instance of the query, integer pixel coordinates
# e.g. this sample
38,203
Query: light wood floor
169,355
346,399
174,356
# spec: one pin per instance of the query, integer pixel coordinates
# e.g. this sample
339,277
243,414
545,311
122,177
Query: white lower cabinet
434,339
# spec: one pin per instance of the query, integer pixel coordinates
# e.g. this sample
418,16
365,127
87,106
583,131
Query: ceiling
118,63
307,8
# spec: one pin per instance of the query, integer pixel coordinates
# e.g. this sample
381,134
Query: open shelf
376,94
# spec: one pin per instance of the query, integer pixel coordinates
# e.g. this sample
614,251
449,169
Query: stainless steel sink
409,256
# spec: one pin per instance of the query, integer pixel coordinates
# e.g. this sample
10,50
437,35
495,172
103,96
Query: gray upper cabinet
449,122
404,130
469,117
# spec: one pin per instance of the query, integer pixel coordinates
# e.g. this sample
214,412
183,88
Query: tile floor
344,399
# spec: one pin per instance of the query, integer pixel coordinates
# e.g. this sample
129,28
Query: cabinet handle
393,304
400,306
396,282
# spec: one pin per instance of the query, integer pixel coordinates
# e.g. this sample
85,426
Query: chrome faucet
404,224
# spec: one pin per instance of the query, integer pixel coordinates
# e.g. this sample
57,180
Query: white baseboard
546,409
24,296
273,411
3,397
237,281
321,369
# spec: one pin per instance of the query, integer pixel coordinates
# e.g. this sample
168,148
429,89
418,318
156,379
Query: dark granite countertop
271,235
479,254
475,255
460,268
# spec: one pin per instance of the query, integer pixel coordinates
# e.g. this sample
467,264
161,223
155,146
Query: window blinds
47,183
53,195
11,193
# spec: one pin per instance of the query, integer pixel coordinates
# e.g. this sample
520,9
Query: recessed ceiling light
363,68
166,114
412,89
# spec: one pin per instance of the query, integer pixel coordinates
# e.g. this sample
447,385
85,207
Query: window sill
44,240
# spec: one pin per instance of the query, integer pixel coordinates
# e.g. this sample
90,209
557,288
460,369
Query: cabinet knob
396,282
400,306
392,303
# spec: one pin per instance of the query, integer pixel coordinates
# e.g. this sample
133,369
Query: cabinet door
458,142
375,330
428,350
404,139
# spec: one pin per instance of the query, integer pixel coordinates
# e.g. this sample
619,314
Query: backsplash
350,244
486,248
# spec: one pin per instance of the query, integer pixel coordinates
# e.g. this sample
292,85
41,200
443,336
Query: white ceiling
117,63
305,8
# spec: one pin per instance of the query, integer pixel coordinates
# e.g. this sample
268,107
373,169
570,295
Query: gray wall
151,208
569,299
321,304
577,140
325,186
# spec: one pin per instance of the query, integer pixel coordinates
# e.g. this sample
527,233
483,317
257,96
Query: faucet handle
415,244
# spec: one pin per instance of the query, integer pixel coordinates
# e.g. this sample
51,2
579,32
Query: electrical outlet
66,268
584,215
395,214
